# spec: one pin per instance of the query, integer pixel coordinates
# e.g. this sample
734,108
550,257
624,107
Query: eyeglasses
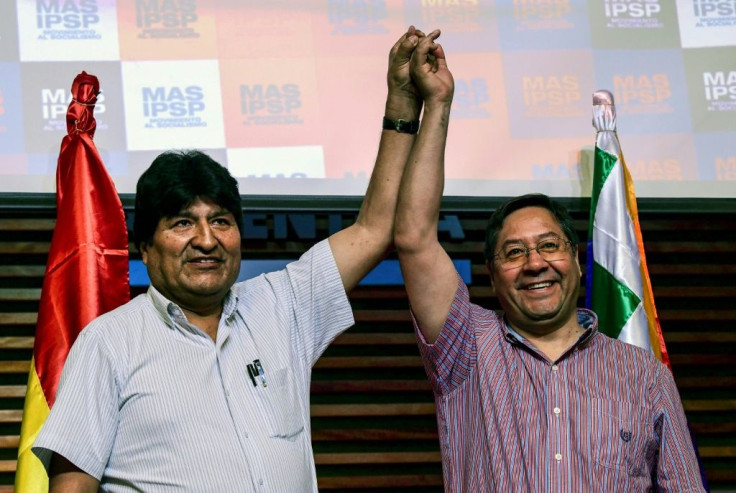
514,255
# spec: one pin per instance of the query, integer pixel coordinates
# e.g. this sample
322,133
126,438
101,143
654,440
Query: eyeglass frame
528,250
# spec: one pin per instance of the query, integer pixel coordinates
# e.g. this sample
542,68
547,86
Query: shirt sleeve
321,305
677,468
452,357
83,421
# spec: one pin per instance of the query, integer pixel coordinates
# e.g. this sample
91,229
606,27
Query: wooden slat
382,315
12,391
9,441
704,247
698,315
713,428
322,459
714,223
14,366
694,292
377,482
340,386
363,435
8,465
22,270
700,360
24,248
382,293
691,269
11,416
719,337
375,339
719,452
722,476
709,405
20,294
18,318
710,382
337,410
369,362
27,224
16,343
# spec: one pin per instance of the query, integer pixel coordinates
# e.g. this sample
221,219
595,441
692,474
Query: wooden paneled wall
373,415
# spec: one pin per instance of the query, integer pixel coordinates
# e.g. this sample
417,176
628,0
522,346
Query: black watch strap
401,126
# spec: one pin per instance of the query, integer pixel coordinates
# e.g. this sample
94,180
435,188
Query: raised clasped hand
404,97
429,71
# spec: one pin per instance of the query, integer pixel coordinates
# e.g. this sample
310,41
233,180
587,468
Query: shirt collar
174,316
587,319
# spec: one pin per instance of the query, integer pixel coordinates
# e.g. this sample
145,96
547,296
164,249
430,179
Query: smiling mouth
538,285
204,261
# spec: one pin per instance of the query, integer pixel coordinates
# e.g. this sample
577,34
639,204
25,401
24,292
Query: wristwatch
401,126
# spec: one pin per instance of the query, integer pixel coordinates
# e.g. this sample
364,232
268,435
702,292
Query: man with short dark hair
202,384
534,399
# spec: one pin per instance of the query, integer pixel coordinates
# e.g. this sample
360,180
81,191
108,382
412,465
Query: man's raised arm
429,275
358,248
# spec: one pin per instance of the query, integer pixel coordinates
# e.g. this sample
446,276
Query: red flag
86,272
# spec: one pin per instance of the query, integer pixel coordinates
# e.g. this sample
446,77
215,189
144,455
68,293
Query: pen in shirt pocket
256,373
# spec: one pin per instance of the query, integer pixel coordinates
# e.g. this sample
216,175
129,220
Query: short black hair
495,223
174,180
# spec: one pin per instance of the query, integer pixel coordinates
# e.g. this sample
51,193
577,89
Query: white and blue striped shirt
148,402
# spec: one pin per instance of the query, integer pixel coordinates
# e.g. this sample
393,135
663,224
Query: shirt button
227,393
246,435
558,457
554,367
260,482
557,410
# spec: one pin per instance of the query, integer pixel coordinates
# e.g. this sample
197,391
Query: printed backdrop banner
290,95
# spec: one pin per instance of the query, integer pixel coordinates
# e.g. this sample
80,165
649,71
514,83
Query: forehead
529,223
202,207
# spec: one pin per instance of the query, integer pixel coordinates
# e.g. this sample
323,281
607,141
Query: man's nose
204,237
534,260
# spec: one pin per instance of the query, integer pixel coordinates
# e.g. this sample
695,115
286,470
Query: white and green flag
618,286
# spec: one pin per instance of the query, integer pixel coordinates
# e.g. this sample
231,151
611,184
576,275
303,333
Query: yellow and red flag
86,273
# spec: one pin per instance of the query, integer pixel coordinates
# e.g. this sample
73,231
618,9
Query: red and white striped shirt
606,416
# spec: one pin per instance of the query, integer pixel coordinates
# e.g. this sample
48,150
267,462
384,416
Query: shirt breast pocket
284,413
625,437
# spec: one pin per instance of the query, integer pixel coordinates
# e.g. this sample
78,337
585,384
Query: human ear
143,248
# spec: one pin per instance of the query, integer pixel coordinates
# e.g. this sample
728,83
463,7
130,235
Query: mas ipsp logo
711,13
720,90
642,89
551,96
270,104
447,12
67,19
637,14
543,14
357,16
166,18
54,106
173,106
